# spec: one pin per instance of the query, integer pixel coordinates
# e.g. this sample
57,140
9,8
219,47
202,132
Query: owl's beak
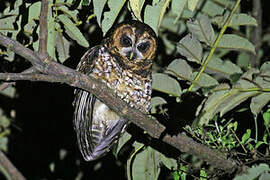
132,55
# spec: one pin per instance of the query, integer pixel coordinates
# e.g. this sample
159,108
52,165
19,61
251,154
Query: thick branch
10,168
58,73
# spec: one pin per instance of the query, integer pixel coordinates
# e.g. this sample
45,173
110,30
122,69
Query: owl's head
135,42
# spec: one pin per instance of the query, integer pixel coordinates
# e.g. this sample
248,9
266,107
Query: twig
222,31
5,85
29,77
43,30
257,32
10,168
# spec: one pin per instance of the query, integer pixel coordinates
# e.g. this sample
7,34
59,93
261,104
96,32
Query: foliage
204,59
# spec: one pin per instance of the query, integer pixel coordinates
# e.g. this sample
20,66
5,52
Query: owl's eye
143,47
125,41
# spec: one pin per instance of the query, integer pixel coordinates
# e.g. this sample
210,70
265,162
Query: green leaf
166,84
136,7
154,14
235,42
242,19
180,69
30,27
170,163
156,101
71,14
237,20
10,92
4,121
177,8
192,4
191,48
253,172
73,31
86,2
243,60
110,16
235,99
223,99
65,2
223,68
266,118
62,46
214,8
258,102
98,9
265,70
265,67
265,176
177,177
205,80
6,24
258,144
4,144
246,136
13,10
121,142
203,175
146,165
211,105
168,23
203,29
34,11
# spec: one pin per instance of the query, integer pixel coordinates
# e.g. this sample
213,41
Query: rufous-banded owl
123,62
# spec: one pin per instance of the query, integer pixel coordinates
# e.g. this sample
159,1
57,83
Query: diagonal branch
55,72
10,168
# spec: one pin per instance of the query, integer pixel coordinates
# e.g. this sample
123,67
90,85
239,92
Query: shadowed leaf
166,84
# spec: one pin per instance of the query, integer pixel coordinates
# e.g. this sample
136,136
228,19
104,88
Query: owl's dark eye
143,47
125,41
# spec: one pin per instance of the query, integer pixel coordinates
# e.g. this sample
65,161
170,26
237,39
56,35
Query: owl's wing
84,103
97,127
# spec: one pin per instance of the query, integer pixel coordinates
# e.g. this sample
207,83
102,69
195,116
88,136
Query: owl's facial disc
131,49
135,42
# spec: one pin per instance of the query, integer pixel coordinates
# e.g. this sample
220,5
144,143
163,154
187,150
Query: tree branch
256,32
43,30
55,72
10,168
3,86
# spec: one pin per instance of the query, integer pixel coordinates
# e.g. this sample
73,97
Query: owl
123,62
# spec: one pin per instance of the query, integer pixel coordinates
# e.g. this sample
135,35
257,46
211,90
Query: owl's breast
130,87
